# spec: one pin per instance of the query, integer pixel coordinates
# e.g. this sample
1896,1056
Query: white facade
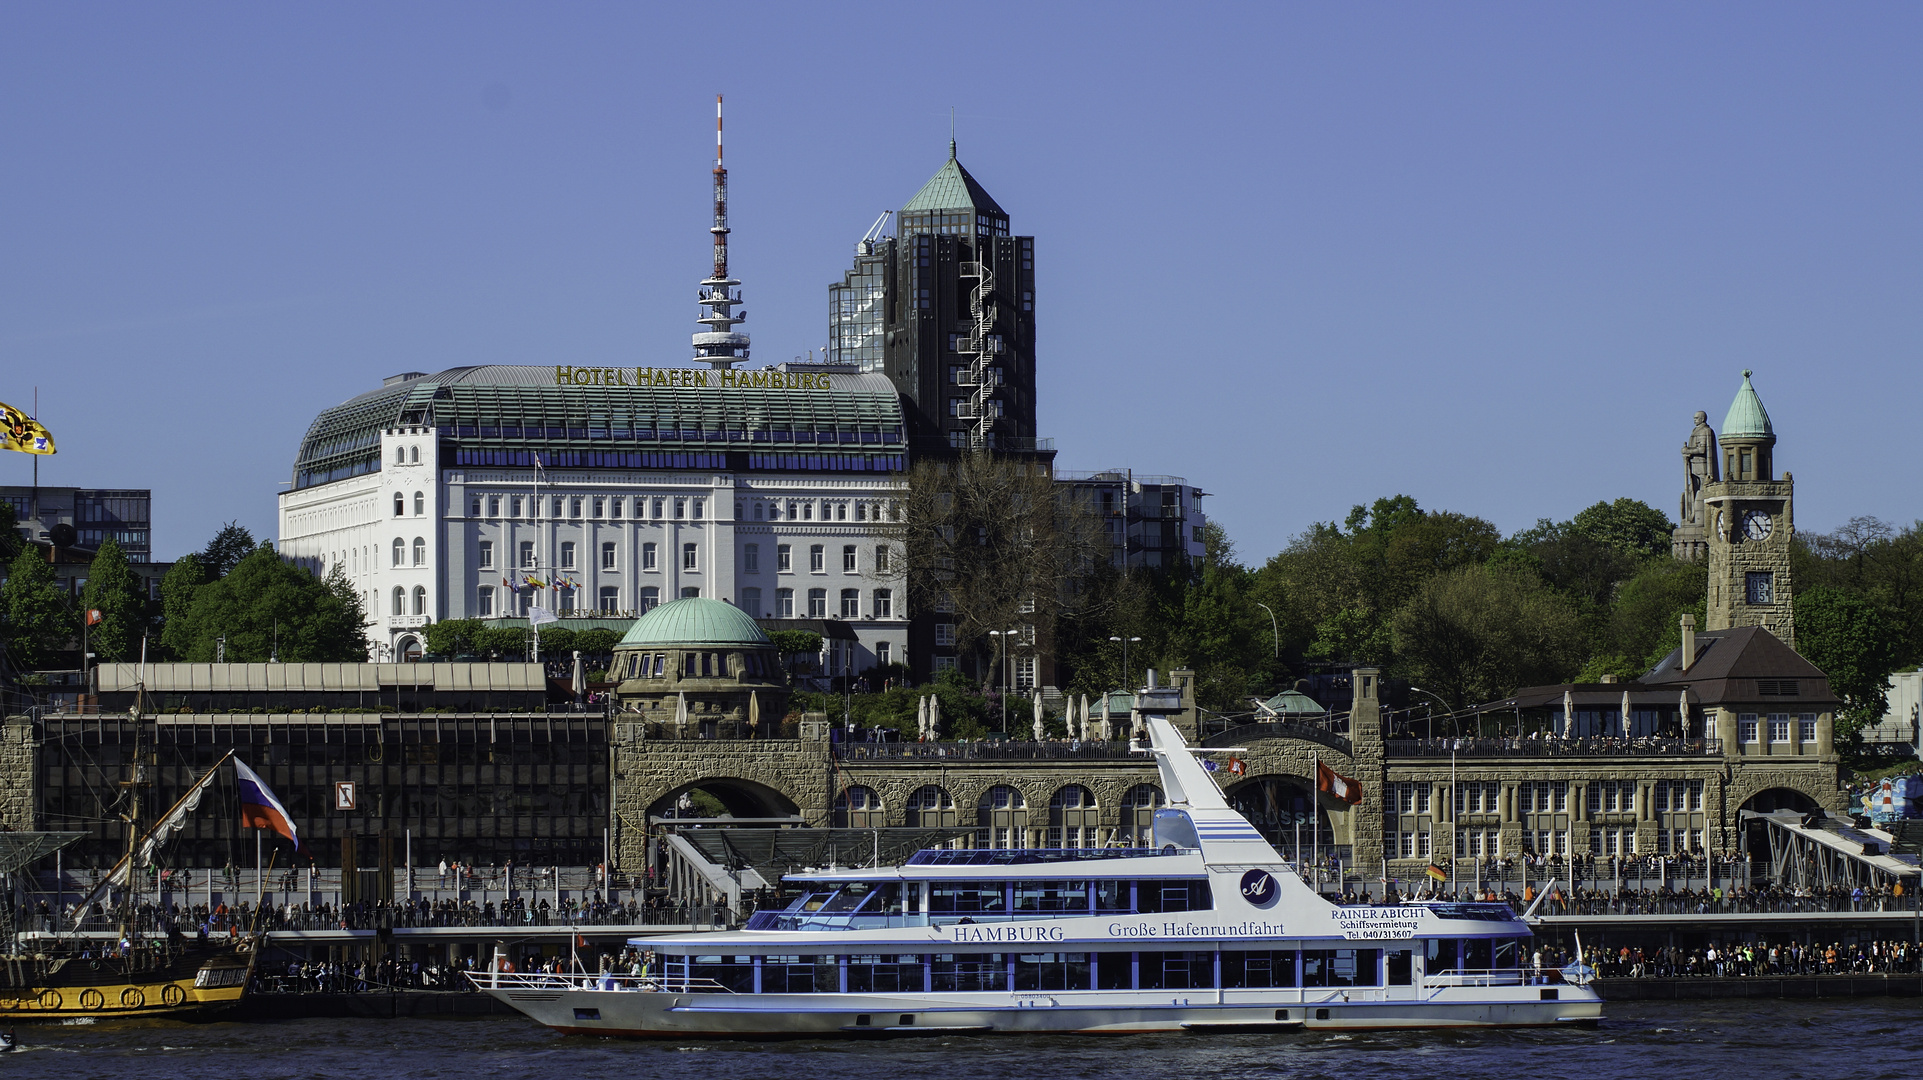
423,543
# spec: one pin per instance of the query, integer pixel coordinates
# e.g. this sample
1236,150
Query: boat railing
555,981
1487,977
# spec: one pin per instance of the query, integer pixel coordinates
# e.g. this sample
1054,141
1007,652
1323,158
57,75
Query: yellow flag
18,431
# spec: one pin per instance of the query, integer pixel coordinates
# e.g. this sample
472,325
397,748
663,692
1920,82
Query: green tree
1850,639
1629,525
37,619
1473,634
597,642
793,643
502,642
177,589
114,591
1645,621
454,637
266,607
225,551
10,541
557,642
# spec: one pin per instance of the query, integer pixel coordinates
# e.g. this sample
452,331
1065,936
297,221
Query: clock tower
1749,524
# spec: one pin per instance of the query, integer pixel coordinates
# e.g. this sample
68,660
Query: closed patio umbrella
681,712
1038,716
1627,716
1568,715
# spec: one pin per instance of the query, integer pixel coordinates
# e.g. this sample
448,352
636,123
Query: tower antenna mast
719,346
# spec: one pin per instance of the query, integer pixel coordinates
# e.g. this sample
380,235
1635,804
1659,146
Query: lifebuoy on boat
172,994
92,999
132,997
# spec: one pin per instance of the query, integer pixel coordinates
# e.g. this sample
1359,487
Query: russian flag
258,807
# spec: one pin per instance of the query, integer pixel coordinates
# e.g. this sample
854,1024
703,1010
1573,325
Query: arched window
884,604
1001,818
420,551
414,454
400,455
400,601
400,552
1138,814
400,504
932,807
420,599
858,808
1072,818
420,503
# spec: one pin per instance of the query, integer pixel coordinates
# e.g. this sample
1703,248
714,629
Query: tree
1851,640
116,593
598,641
37,619
177,590
1629,525
992,542
796,642
10,542
1645,622
453,637
266,608
225,551
1474,634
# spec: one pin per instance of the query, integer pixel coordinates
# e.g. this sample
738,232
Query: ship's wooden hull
197,979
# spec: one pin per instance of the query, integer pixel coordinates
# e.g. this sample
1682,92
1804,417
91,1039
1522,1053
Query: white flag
540,616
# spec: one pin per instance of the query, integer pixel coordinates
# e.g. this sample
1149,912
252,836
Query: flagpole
1315,815
259,889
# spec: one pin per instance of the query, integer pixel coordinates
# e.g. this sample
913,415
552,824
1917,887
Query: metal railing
1282,729
516,980
1008,750
1551,748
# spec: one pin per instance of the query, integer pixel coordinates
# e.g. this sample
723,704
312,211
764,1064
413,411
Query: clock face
1757,524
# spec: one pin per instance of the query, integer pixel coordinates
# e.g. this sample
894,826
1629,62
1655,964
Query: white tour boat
1208,930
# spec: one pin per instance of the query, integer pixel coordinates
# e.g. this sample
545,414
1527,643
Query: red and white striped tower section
719,346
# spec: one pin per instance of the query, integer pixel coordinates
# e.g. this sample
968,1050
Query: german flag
1437,873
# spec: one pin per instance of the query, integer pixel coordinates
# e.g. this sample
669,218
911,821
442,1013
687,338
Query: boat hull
663,1014
202,980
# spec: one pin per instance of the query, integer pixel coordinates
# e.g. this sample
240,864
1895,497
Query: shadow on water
1862,1040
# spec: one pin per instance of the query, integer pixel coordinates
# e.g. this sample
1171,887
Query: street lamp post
1445,708
1125,668
1273,628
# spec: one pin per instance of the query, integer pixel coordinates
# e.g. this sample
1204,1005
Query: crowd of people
221,919
1751,959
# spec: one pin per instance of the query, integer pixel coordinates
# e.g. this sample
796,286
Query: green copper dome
952,188
696,620
1747,418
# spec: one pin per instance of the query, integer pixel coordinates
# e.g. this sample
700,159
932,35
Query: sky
1492,256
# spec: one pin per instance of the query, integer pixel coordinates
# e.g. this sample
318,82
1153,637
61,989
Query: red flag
1238,767
1337,786
93,616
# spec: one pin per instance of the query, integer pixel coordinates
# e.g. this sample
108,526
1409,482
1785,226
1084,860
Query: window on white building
420,600
400,504
689,592
527,554
1779,727
1746,728
567,554
610,599
848,559
400,455
493,506
884,604
614,508
420,551
400,601
420,504
400,552
881,559
648,560
884,654
751,602
751,559
690,556
817,559
817,603
600,508
607,554
487,555
851,603
784,603
680,509
945,634
697,509
650,599
574,507
784,558
484,602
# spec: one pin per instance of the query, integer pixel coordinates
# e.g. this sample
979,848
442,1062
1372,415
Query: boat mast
133,784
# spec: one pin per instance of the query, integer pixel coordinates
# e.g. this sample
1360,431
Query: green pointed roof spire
951,188
1747,418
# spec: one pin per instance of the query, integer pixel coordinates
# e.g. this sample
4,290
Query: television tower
719,346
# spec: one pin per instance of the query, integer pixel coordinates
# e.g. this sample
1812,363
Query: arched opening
724,797
1285,811
1755,834
1001,818
408,649
857,807
932,807
1138,815
1072,818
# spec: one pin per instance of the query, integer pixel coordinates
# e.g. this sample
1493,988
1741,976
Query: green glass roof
1747,418
696,620
951,188
504,415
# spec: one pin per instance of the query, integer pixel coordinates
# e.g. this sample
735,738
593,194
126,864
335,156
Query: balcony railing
1552,748
1092,750
1281,729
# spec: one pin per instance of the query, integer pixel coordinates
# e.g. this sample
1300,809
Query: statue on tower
1690,541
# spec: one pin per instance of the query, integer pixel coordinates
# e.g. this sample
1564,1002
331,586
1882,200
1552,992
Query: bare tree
993,543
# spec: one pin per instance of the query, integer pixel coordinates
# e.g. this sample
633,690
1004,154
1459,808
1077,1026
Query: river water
1864,1039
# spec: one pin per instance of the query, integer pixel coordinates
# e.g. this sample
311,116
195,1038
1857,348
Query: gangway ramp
1818,851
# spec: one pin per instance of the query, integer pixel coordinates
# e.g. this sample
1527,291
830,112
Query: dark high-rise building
946,309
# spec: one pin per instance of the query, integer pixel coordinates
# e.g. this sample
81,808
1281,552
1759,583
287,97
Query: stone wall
19,780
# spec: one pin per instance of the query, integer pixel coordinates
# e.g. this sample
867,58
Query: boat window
1341,967
1115,971
1177,970
1114,896
1478,954
885,974
810,901
1510,952
1401,969
800,975
1442,955
966,897
966,972
1258,970
1051,896
737,973
1052,971
1174,828
1181,894
848,899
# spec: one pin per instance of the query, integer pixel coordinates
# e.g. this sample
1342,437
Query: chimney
1689,641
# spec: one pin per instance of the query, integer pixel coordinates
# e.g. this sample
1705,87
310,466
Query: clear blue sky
1492,256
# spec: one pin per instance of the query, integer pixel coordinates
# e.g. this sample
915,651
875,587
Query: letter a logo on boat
1258,888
